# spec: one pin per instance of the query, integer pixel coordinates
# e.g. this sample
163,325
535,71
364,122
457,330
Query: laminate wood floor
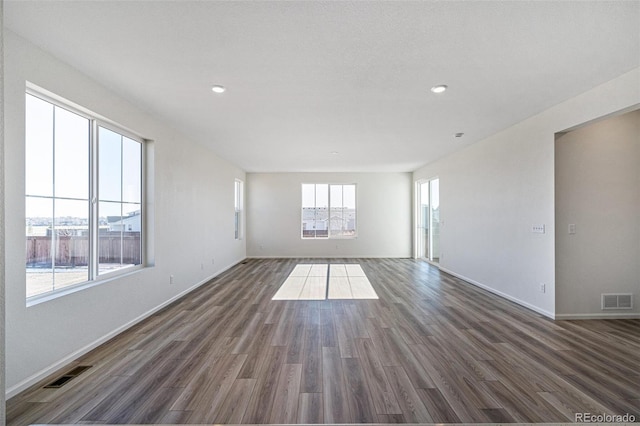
431,349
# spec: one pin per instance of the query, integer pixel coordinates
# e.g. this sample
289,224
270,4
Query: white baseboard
527,305
35,378
602,315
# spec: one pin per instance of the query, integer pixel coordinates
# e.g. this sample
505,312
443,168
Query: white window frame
95,121
329,236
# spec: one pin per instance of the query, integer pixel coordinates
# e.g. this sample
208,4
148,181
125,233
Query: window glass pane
349,196
321,222
38,147
131,170
238,208
71,155
349,214
120,236
110,165
39,221
110,236
131,234
238,195
434,213
236,223
336,196
308,196
71,242
322,195
336,220
308,210
322,211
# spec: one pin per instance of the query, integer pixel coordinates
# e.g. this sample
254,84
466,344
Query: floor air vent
63,380
617,301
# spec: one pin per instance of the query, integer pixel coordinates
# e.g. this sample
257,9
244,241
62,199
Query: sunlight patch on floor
320,281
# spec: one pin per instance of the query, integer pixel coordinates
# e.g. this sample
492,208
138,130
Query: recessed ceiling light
458,135
218,89
335,152
439,89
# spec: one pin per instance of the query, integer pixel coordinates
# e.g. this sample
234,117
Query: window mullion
315,203
315,211
143,197
94,225
54,231
344,212
122,200
329,212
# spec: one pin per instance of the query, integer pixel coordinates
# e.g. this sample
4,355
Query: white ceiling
307,78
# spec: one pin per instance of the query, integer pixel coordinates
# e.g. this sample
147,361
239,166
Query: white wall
598,190
492,192
383,216
193,214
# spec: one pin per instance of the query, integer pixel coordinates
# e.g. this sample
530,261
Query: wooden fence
73,251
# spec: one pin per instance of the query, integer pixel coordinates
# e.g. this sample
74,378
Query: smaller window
238,189
328,211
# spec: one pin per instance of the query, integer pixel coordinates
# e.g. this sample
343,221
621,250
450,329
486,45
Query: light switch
572,228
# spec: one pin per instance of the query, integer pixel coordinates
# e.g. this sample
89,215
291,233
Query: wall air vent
617,301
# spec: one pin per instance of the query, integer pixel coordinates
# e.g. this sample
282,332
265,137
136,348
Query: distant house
131,223
317,221
314,222
344,223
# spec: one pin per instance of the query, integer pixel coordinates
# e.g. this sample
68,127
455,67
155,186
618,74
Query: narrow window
238,207
427,237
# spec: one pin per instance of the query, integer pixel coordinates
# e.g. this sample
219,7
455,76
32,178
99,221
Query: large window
83,197
328,210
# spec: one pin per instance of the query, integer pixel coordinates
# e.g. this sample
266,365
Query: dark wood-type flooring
432,349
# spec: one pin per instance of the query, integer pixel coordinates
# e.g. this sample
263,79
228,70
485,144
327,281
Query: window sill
337,237
52,295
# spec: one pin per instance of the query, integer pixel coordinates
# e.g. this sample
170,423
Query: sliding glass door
428,220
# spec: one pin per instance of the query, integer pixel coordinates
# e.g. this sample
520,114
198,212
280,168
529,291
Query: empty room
320,212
